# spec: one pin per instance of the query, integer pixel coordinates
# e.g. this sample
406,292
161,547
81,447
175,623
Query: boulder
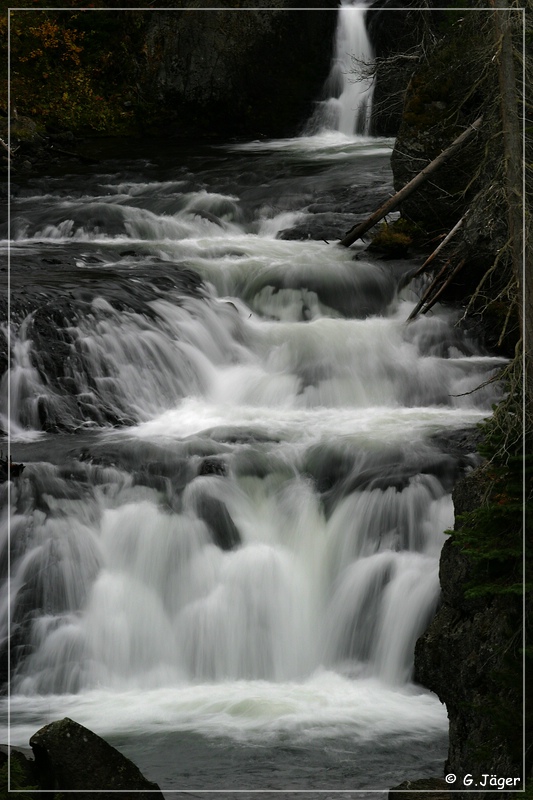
212,466
69,756
217,518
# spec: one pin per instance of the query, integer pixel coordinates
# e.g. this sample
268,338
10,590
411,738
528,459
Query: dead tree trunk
437,250
358,231
429,291
431,296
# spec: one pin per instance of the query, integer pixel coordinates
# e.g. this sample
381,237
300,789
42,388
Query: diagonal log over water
359,230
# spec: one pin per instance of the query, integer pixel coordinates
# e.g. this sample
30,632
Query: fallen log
429,303
446,283
437,250
358,231
428,292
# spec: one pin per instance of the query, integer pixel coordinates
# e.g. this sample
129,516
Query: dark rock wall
394,33
236,72
429,125
471,654
446,90
199,70
469,657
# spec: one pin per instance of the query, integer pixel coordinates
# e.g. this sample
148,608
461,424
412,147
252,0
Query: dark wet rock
460,444
212,466
267,64
365,290
231,436
130,254
49,310
465,657
217,518
324,226
359,630
150,465
71,757
335,211
327,466
338,472
254,463
9,469
59,293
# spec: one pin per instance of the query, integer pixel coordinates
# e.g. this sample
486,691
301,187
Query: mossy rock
393,240
23,129
22,778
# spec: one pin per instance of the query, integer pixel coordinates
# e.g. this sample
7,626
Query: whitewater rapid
238,476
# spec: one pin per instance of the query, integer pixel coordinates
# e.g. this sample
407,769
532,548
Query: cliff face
444,95
194,71
435,112
236,72
395,35
470,656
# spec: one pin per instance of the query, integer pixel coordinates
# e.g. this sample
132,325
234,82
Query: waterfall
237,475
274,507
347,103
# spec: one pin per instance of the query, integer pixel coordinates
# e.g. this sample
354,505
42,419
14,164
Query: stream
238,460
238,468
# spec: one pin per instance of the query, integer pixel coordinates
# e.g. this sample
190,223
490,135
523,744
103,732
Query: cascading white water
303,587
142,597
252,551
347,103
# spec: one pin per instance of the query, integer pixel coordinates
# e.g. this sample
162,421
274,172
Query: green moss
19,785
389,238
427,101
411,229
493,534
395,238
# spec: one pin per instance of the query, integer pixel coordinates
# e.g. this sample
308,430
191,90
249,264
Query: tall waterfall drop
347,103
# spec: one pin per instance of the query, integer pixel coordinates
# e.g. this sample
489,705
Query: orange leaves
71,68
51,36
502,499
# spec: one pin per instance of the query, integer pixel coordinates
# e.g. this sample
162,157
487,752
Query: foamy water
249,548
